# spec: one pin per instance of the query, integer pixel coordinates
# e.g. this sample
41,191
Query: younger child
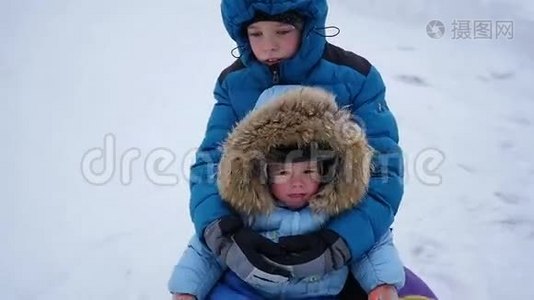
286,169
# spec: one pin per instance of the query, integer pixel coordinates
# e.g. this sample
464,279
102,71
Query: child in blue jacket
283,42
286,169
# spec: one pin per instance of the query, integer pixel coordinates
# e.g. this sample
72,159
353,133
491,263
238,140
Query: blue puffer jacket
354,81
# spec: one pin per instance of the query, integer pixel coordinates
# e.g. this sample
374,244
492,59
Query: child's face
294,184
272,42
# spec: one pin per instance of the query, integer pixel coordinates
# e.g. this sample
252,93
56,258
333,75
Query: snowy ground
72,72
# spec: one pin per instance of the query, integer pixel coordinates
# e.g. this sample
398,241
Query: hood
301,116
236,13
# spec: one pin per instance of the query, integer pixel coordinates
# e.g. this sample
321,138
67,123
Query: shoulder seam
235,66
346,58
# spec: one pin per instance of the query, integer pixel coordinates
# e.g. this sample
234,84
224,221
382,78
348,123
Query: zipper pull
276,77
275,69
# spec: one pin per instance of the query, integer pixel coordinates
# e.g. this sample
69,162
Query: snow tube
232,287
415,288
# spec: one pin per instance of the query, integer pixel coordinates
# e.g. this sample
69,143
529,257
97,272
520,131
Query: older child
286,169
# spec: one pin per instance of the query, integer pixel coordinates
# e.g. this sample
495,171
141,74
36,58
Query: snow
72,72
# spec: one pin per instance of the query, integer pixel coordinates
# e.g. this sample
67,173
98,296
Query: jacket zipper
276,74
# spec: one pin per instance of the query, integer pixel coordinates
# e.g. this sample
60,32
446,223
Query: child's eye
283,32
279,176
254,34
282,173
310,171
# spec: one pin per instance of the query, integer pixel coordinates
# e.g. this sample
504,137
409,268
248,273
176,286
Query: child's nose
271,44
296,182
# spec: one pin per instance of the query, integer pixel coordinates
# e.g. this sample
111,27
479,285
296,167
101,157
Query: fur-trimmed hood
301,116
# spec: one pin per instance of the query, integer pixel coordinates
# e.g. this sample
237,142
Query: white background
72,72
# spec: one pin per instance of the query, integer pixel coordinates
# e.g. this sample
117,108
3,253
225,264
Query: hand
384,292
244,250
183,297
315,253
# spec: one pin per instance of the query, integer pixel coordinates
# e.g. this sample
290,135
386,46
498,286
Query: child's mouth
272,61
297,195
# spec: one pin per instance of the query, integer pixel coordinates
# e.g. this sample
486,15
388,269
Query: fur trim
298,117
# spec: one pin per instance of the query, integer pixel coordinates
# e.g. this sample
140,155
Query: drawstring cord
318,31
232,52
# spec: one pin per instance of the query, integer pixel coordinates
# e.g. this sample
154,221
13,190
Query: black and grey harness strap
240,265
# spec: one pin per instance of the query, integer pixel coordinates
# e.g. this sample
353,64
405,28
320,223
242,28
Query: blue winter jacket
198,270
356,84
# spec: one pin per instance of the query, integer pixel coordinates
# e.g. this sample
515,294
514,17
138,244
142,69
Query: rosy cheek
277,190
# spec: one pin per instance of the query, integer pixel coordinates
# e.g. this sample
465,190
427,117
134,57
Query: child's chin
296,206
